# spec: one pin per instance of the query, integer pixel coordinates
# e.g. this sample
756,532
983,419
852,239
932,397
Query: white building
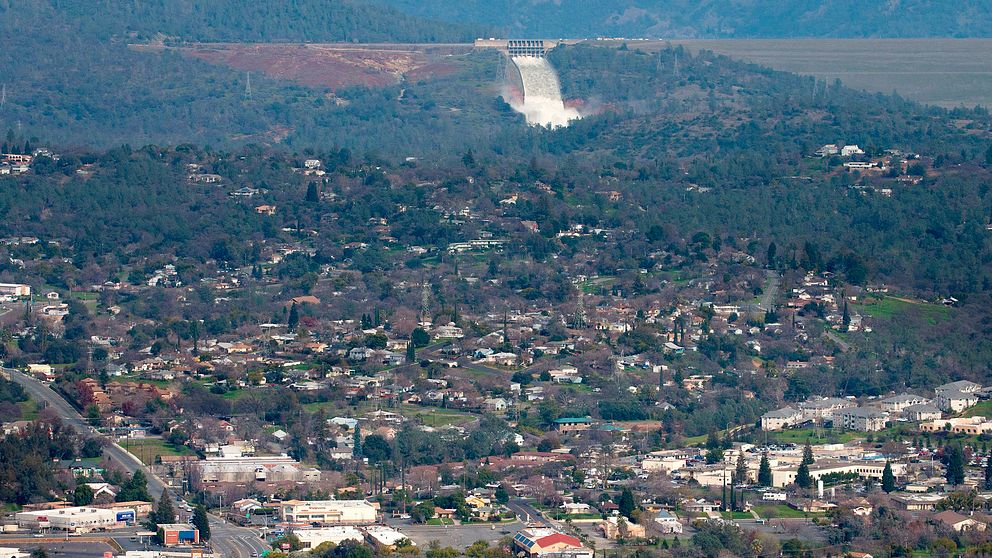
312,538
897,403
786,475
825,408
781,418
955,401
849,150
863,419
385,537
328,512
15,289
923,412
76,520
668,523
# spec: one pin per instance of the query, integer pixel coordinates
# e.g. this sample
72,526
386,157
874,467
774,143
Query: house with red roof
537,542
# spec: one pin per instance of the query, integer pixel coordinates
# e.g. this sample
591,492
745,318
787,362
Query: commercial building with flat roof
328,512
76,519
178,534
312,538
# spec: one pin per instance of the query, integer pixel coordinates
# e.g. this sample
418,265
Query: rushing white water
543,105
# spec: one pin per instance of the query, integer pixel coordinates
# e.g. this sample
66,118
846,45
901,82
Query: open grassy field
982,409
942,72
769,511
148,449
814,436
890,306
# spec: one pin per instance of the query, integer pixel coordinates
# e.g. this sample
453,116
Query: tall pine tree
888,479
201,522
808,454
164,513
954,462
764,471
803,478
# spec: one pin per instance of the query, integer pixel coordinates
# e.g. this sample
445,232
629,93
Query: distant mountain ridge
715,18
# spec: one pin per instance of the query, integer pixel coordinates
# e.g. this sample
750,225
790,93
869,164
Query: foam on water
542,104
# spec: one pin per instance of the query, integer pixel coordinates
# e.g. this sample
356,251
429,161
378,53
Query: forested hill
231,21
716,18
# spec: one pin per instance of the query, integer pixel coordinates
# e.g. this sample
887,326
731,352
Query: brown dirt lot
333,66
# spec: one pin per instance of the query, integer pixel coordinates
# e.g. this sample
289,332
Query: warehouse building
259,469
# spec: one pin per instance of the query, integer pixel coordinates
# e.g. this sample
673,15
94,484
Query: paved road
844,345
227,539
528,513
769,291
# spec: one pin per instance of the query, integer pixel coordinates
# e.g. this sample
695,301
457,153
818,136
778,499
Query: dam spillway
542,101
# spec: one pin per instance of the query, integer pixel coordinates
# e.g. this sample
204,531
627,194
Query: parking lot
457,536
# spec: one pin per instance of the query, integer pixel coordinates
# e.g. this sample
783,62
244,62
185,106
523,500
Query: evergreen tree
201,522
626,503
803,478
313,196
134,489
808,454
988,473
357,438
765,471
712,442
411,352
888,479
294,317
83,495
164,513
740,471
954,461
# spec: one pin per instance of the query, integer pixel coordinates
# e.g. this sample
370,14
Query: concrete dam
541,102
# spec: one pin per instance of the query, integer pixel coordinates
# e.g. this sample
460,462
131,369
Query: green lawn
889,307
736,515
592,286
814,435
29,410
983,409
148,449
436,416
770,511
138,379
439,521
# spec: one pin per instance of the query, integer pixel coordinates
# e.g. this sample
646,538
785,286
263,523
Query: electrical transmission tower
248,86
425,302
